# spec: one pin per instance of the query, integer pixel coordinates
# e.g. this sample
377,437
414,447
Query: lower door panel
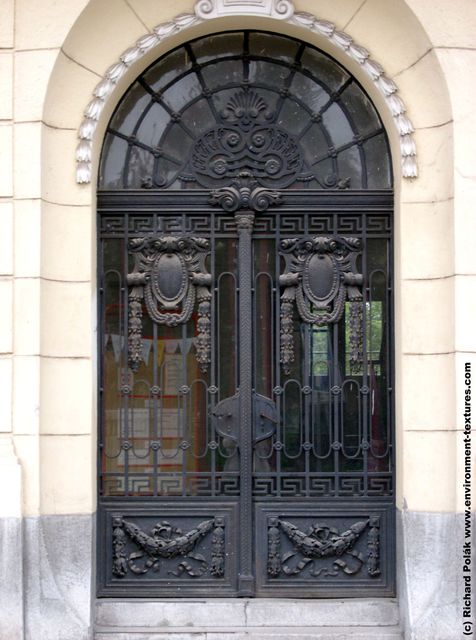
168,549
324,550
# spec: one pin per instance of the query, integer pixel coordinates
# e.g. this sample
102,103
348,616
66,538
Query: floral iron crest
169,275
320,275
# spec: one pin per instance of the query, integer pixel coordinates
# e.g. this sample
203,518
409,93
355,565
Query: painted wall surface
53,54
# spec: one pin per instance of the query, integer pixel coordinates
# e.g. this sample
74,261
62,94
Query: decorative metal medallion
321,542
169,275
227,424
167,542
320,274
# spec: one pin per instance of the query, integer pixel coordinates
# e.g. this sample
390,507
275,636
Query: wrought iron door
246,352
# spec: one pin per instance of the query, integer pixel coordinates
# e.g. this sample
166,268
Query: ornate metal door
246,347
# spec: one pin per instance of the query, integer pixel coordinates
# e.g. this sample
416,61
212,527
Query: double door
246,401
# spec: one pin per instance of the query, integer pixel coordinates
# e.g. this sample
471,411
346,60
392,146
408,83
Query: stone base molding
429,581
58,564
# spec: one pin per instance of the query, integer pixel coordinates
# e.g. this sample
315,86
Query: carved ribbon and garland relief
320,542
169,275
320,275
166,542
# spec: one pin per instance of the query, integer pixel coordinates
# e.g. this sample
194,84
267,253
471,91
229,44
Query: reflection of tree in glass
140,165
320,354
374,331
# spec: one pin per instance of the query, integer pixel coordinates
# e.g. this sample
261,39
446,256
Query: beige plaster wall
53,54
31,36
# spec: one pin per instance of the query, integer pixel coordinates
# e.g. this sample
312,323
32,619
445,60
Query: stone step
248,619
257,633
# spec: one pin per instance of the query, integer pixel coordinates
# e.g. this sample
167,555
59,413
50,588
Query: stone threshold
136,616
255,633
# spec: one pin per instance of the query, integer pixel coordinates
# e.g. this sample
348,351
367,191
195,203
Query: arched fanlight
245,103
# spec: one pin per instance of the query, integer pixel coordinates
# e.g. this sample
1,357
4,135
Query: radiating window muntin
168,112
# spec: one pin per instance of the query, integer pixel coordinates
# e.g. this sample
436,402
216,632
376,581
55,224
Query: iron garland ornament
166,542
169,274
319,542
320,274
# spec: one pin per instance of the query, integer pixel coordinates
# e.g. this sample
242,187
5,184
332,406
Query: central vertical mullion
244,224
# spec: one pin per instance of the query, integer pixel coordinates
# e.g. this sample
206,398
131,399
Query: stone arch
82,67
208,10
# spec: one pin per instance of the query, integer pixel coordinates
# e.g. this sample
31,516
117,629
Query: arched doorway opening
245,268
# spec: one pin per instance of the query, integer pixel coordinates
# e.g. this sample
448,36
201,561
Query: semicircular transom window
240,104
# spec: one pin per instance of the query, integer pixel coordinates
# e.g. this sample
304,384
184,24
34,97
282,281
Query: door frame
197,201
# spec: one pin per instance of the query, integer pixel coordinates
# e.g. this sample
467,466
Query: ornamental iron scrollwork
246,142
320,274
166,542
247,157
244,194
169,275
319,542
